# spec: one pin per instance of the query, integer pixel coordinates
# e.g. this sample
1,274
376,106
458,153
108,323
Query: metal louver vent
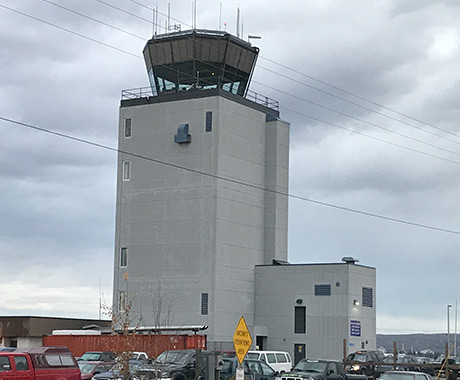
323,290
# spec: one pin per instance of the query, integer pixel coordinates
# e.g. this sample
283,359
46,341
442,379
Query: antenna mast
220,17
193,14
238,22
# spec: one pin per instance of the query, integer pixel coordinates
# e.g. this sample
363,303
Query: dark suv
363,362
182,364
309,369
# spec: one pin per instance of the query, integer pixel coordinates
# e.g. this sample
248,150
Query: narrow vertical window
126,170
127,127
121,300
124,256
204,303
208,121
300,320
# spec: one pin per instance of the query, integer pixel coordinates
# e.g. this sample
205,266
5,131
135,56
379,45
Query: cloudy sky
371,89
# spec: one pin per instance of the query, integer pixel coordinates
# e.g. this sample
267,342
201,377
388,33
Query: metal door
299,352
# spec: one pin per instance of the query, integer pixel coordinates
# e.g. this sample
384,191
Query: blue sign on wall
355,328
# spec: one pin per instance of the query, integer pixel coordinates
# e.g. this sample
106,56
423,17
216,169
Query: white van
280,361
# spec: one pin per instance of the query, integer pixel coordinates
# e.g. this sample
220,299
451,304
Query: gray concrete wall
188,233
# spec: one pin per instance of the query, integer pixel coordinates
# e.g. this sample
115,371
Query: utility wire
367,108
360,98
372,137
289,94
95,20
226,179
330,86
307,116
69,31
360,120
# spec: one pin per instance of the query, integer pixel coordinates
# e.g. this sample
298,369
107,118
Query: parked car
50,363
98,356
114,372
405,375
139,356
253,369
280,361
181,364
403,363
7,349
309,369
89,369
364,362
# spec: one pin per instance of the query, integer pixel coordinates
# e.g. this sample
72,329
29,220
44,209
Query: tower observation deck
199,60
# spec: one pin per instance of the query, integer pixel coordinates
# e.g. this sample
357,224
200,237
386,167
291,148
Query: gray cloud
58,196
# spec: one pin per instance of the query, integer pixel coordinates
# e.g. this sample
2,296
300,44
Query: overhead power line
309,101
230,180
323,83
275,89
360,98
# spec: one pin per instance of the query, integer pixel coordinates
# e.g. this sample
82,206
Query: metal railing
147,92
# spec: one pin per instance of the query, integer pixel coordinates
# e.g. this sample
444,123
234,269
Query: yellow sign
242,340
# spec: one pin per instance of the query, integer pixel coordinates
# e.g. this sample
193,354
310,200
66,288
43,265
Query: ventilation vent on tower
182,136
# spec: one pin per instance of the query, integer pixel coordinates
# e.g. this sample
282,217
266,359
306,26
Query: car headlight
356,367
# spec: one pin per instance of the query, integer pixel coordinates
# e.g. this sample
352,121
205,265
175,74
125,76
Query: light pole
448,332
455,336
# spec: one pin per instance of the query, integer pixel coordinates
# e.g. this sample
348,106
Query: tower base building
202,205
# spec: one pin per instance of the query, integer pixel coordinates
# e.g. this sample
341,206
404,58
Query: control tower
202,165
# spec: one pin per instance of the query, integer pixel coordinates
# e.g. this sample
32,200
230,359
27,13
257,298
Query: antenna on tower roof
169,17
220,17
193,14
238,22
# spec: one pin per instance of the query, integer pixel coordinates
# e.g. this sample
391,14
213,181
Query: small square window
123,257
128,127
126,170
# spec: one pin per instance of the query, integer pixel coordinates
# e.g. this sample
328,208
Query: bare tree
124,325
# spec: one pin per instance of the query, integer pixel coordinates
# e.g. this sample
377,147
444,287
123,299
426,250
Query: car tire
178,376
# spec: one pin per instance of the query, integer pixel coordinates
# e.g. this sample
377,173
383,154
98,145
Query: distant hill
416,342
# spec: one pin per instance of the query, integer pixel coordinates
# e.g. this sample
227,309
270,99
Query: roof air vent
349,260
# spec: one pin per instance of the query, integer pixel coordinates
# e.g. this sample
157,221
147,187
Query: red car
50,363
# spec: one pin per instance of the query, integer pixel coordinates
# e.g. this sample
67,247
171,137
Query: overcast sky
372,92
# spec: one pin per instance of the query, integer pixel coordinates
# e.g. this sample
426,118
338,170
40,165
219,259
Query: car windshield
90,356
86,367
252,355
172,357
310,366
357,357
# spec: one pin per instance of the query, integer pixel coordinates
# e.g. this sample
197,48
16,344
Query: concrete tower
200,158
